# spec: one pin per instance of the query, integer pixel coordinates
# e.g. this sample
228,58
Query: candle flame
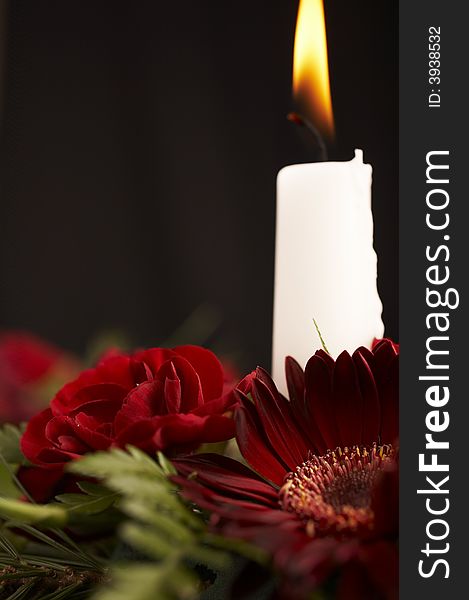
311,87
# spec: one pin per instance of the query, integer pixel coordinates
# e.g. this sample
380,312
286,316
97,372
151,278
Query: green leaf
160,525
166,465
47,515
164,523
77,504
116,462
146,540
136,476
10,457
8,487
94,489
166,581
10,436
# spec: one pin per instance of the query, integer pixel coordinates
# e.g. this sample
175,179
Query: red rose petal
115,370
143,402
172,391
90,433
34,438
139,433
208,368
154,358
102,409
71,444
141,372
25,358
145,399
191,391
192,430
227,402
53,458
56,427
41,483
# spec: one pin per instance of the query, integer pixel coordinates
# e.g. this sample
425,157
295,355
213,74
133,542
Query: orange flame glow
310,67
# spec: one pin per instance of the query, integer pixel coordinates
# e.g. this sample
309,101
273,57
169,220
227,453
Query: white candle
325,266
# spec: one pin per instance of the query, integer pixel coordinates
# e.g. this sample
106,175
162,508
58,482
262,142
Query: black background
140,146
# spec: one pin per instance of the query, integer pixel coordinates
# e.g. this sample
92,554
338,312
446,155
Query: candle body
325,264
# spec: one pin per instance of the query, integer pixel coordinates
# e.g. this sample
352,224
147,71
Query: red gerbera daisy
323,499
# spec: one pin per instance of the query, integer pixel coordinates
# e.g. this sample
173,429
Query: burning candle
325,266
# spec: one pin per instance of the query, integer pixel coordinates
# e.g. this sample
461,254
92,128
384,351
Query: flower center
331,494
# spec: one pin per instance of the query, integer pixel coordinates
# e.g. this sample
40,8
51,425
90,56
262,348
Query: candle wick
318,139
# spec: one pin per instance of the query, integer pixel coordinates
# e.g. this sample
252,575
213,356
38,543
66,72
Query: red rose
28,368
158,399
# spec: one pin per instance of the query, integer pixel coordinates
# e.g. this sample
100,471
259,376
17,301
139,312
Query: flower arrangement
155,475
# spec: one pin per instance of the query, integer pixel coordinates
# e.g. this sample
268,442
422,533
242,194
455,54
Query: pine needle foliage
58,569
159,550
166,532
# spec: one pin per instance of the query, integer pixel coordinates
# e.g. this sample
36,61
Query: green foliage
147,581
35,579
160,526
162,539
10,458
48,515
323,343
10,436
69,510
59,570
93,500
142,483
56,568
8,489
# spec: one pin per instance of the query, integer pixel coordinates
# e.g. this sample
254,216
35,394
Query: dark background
140,143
